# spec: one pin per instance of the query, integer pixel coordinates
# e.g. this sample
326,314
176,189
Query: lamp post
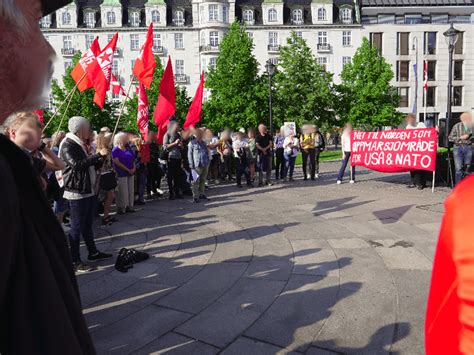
415,48
451,36
270,67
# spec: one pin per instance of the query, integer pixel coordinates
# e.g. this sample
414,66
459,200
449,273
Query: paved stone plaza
305,267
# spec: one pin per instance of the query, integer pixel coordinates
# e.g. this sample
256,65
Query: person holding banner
418,177
461,137
346,154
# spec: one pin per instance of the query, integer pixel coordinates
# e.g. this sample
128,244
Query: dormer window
345,15
178,19
272,15
155,16
322,14
297,16
134,19
66,18
45,22
89,19
111,18
248,17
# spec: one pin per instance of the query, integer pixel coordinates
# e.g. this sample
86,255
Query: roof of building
392,3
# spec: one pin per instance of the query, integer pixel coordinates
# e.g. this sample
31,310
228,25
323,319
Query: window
458,47
178,41
115,67
213,12
403,39
322,14
430,96
272,15
430,43
323,61
67,64
346,38
134,42
110,17
274,61
89,40
66,18
224,14
179,67
412,19
273,39
178,18
346,60
345,15
322,38
67,42
297,16
457,70
89,19
299,34
248,16
156,40
212,62
403,70
431,70
376,41
155,16
214,39
403,94
45,22
133,63
134,19
457,95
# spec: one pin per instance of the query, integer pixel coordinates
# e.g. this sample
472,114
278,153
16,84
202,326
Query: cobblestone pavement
304,267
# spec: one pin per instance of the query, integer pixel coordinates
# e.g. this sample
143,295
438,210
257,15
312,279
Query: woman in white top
346,153
291,146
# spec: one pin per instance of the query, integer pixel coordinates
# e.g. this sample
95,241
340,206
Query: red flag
166,104
142,114
40,114
87,68
145,64
102,80
116,87
195,110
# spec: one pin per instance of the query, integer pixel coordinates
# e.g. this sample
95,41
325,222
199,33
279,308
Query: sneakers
352,181
81,267
203,197
99,256
317,176
339,182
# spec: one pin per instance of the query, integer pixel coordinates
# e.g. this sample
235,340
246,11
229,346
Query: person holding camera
461,137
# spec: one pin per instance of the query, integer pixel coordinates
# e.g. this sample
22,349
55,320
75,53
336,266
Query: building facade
190,32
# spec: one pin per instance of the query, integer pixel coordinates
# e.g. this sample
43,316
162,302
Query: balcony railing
249,22
158,50
297,22
178,23
208,49
68,51
324,47
273,48
181,78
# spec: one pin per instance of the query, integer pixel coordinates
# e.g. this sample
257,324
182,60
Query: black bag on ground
127,257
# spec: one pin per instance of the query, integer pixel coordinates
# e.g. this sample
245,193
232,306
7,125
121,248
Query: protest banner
290,127
397,150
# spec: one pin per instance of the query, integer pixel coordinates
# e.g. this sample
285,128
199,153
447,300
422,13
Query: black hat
50,6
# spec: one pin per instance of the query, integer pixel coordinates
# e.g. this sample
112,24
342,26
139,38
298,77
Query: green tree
128,120
238,94
366,97
82,104
303,89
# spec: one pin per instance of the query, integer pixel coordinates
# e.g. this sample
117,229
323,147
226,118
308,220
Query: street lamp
451,36
415,48
270,67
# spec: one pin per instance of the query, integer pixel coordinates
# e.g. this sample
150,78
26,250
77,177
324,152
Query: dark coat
40,308
76,175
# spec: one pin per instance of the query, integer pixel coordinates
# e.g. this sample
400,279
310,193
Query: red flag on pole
142,114
145,64
166,104
116,87
87,68
102,80
195,110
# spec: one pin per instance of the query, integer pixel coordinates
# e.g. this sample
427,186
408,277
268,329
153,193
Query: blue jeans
82,217
347,156
241,168
462,160
289,165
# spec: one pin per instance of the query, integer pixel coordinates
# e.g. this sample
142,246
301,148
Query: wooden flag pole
121,109
65,99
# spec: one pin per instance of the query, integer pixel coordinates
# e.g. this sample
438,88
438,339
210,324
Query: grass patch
327,155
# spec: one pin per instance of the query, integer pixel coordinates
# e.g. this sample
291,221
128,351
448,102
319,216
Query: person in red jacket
449,327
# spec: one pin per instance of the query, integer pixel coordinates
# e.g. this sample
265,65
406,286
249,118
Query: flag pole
67,107
65,99
122,108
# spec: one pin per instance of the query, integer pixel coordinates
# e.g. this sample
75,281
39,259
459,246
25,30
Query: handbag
108,181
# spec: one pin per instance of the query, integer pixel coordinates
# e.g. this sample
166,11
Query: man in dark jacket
40,308
80,189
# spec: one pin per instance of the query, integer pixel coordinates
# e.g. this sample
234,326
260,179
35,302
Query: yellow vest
307,141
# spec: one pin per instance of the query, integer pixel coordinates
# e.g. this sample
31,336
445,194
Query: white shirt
346,141
293,152
237,145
